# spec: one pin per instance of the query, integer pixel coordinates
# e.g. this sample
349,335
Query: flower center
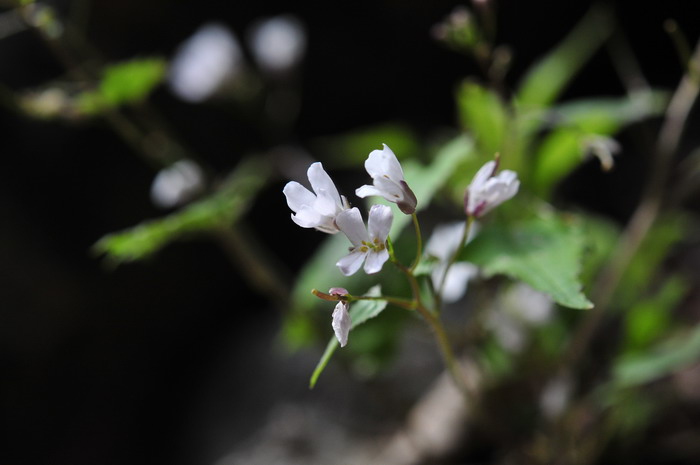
375,246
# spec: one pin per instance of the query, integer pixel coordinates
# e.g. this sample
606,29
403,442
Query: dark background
135,364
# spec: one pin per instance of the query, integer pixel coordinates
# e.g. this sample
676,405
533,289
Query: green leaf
545,252
482,112
665,358
220,209
124,83
548,78
359,312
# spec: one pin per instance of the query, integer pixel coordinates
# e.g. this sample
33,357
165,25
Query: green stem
453,259
419,243
399,302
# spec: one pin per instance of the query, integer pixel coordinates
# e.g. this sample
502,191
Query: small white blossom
177,184
487,191
369,248
341,322
204,63
442,245
319,209
278,43
388,180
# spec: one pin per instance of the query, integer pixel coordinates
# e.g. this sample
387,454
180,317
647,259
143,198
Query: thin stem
419,243
399,302
453,259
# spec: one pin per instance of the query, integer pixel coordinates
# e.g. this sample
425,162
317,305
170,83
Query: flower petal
484,173
350,222
384,163
297,195
375,261
379,223
341,323
352,262
367,191
456,281
307,217
328,198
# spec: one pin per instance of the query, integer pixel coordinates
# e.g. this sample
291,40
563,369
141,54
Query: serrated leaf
544,252
359,312
220,209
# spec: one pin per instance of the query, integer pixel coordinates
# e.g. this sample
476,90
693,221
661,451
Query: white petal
350,222
445,240
328,198
379,223
350,263
384,163
298,196
481,176
341,323
389,189
367,191
457,279
375,261
307,217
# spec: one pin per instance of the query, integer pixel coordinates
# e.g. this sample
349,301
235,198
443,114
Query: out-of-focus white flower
317,210
442,245
205,62
555,396
388,180
176,184
278,43
369,248
487,191
341,318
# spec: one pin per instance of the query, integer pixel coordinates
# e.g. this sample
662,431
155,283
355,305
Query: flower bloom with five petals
370,248
388,180
319,209
487,191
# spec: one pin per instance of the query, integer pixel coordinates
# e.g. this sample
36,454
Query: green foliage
663,359
220,209
482,112
543,251
123,83
359,312
549,77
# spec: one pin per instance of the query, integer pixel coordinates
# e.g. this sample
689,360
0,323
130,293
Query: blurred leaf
663,359
601,236
124,83
351,149
359,312
495,361
546,80
649,319
221,209
544,252
482,112
320,271
560,152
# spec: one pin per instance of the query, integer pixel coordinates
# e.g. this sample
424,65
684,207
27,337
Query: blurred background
116,113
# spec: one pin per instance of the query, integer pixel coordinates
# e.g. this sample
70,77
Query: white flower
317,210
442,245
278,43
372,247
176,184
387,177
205,62
341,322
488,191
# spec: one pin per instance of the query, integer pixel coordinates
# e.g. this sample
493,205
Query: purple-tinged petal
379,223
298,196
341,322
484,173
350,222
352,262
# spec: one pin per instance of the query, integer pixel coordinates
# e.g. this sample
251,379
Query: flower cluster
326,210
